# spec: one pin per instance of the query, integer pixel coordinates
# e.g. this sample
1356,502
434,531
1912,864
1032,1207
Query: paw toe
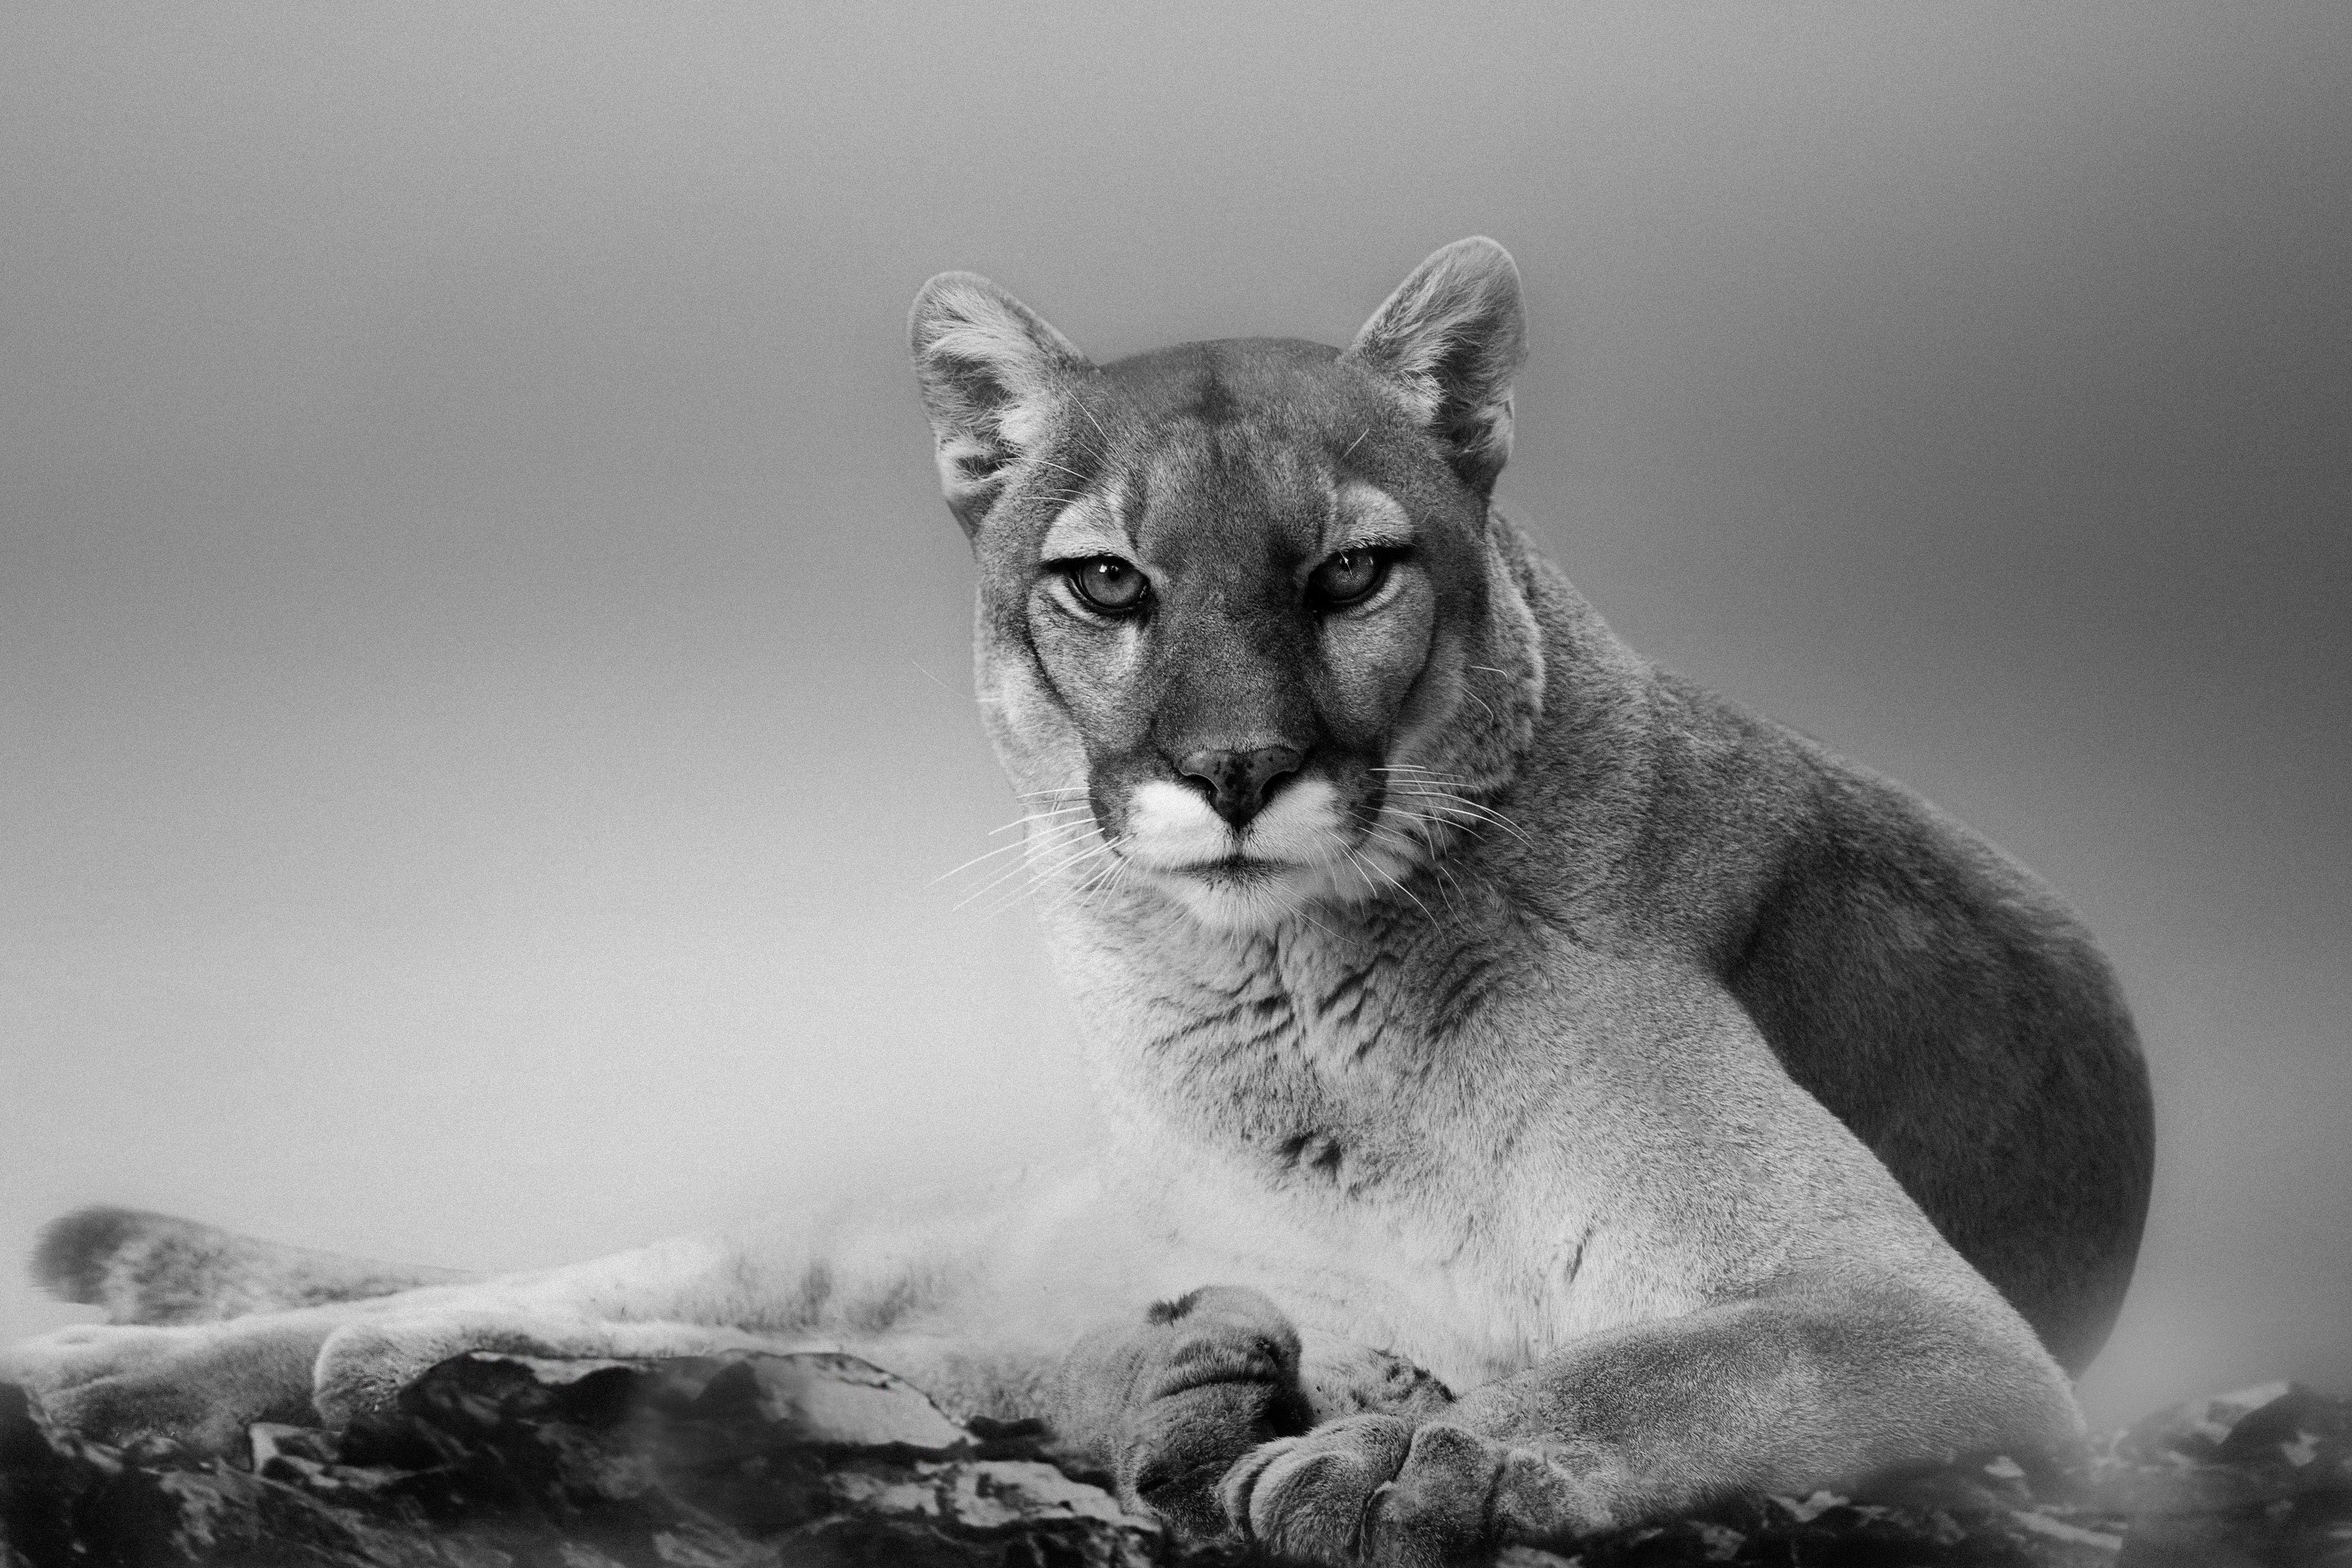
1307,1496
1435,1509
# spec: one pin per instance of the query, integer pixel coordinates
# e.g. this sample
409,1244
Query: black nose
1239,782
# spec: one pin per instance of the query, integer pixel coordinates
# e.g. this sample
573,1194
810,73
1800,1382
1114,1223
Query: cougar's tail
153,1269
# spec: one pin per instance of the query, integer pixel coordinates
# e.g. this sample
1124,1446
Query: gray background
483,683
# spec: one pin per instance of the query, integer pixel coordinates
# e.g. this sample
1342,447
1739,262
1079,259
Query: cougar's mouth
1237,867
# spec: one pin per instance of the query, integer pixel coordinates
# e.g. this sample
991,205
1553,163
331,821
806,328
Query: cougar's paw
199,1387
1168,1406
1372,1488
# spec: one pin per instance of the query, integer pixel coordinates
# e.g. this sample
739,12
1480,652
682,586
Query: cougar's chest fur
1336,1109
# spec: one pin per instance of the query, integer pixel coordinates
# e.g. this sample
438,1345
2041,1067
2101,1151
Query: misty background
484,667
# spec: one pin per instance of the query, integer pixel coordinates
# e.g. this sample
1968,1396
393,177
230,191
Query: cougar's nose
1239,782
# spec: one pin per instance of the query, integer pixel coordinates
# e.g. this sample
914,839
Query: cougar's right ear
992,373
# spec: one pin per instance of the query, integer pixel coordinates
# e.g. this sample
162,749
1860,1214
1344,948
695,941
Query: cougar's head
1247,636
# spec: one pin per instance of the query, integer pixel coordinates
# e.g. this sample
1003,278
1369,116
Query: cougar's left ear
1450,339
993,374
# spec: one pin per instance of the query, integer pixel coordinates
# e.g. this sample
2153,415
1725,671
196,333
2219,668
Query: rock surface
781,1461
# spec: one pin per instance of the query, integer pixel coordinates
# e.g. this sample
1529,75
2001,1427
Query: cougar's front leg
1818,1385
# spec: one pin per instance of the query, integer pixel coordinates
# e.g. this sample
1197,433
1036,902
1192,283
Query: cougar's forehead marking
1232,497
1094,523
1367,517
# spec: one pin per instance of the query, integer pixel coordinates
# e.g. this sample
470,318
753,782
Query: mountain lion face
1243,637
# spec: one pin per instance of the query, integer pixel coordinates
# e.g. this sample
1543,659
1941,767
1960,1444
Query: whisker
1427,789
1021,888
1488,814
1100,881
1001,879
1473,821
1447,814
1048,874
1050,842
1294,906
1453,783
1470,825
1042,835
1042,825
1038,817
1090,419
1405,846
975,860
1472,808
1432,773
1365,866
1071,857
1401,887
1418,789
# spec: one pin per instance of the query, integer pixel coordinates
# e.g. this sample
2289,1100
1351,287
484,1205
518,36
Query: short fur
1583,1098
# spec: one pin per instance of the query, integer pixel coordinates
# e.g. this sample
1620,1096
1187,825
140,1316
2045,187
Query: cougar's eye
1348,577
1107,583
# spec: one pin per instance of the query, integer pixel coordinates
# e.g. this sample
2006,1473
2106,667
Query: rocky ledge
783,1461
